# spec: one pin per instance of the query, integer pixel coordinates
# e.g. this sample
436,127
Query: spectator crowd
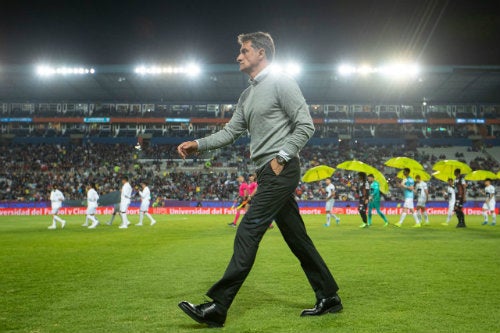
29,170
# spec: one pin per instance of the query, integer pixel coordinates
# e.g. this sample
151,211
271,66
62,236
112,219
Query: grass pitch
431,279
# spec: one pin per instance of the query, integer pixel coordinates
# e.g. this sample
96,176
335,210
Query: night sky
129,32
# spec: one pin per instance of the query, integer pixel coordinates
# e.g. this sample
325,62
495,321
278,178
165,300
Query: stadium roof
223,84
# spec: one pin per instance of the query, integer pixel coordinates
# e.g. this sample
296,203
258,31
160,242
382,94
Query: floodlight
192,70
293,68
290,68
45,70
346,70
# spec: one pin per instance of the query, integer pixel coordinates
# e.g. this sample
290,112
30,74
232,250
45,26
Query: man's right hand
187,148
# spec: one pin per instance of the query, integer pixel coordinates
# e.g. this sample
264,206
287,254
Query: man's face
370,180
249,58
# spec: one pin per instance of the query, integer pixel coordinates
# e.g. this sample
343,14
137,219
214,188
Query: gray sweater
275,114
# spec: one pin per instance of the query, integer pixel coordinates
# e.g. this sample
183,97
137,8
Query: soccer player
241,201
374,202
422,197
408,185
330,201
364,194
126,195
460,187
450,194
92,198
145,195
489,204
56,199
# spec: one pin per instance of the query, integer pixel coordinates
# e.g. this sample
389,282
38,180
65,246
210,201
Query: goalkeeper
375,200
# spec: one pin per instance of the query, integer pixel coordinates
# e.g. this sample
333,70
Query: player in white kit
422,192
126,195
450,194
145,194
92,197
330,201
56,199
489,204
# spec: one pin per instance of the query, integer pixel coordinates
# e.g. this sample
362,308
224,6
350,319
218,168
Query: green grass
432,279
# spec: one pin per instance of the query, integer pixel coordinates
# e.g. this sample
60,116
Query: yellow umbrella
481,175
442,176
404,162
498,175
414,173
447,167
317,173
363,167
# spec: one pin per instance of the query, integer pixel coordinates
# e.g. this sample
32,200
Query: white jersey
489,203
145,194
421,188
490,193
330,189
92,198
126,194
145,199
56,198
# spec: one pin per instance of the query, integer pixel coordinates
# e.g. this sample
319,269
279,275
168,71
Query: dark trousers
459,204
362,211
273,200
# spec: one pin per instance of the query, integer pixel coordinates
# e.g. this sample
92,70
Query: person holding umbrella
364,194
460,187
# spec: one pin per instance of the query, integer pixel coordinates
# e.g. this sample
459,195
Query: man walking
145,195
125,199
56,199
92,197
274,112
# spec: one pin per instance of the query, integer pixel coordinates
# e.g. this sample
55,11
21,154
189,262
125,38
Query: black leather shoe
326,305
207,313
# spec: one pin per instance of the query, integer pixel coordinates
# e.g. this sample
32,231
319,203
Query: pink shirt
243,189
251,188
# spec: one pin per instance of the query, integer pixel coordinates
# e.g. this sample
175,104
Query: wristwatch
280,160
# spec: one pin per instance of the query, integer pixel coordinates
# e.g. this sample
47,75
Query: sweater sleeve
293,103
231,131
